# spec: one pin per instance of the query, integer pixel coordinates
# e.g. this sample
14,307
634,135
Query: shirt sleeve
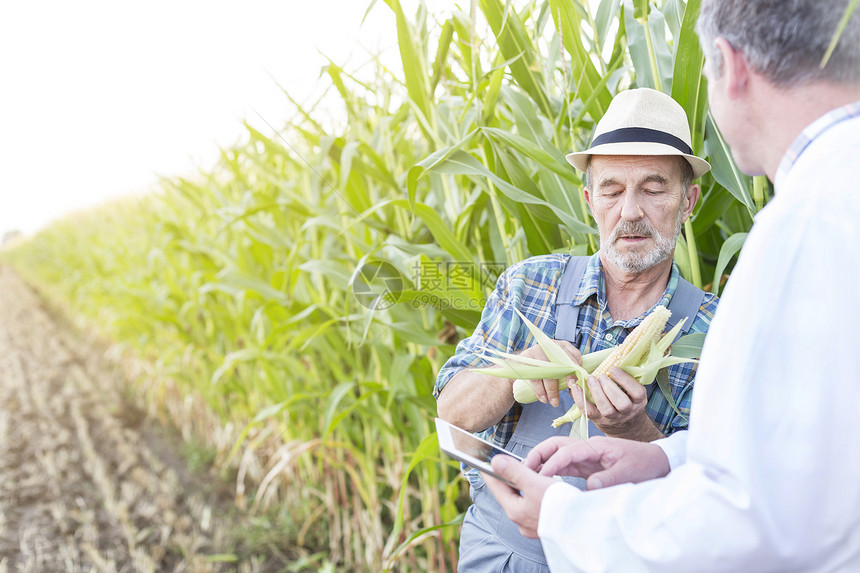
675,448
519,287
489,333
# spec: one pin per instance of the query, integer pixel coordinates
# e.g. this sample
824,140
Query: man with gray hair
768,476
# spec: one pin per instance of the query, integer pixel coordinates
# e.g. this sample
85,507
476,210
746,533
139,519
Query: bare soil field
87,481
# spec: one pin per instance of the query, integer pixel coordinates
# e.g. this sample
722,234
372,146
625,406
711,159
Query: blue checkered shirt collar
592,285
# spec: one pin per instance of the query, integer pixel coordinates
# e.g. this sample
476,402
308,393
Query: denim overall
489,541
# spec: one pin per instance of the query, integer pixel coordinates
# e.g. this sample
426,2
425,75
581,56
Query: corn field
291,307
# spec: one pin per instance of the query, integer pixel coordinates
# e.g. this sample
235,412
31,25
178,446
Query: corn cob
642,355
635,347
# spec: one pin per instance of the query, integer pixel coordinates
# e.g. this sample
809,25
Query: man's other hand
602,461
547,390
619,406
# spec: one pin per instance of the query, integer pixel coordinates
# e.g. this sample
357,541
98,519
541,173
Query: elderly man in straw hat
639,185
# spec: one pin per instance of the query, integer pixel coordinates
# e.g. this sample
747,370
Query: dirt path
85,483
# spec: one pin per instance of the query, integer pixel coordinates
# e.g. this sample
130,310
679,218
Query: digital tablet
470,449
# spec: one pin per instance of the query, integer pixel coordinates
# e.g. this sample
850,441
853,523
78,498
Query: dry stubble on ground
85,482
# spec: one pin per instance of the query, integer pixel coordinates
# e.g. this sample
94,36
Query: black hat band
642,135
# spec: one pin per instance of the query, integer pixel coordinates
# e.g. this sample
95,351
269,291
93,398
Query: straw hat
642,122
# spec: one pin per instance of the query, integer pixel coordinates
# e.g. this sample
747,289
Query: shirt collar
812,132
592,284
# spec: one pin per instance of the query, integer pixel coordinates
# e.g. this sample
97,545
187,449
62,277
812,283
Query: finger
510,469
543,451
572,380
504,493
616,395
575,391
539,390
508,497
515,472
629,384
576,459
551,388
578,396
525,509
515,505
584,405
601,479
571,350
598,395
535,352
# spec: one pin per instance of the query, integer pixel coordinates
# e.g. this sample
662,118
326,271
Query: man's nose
630,208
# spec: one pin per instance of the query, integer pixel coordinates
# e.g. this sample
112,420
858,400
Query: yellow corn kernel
637,343
629,353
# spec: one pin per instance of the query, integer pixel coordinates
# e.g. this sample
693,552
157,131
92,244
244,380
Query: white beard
664,246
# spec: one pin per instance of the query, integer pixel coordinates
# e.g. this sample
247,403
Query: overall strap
685,303
567,315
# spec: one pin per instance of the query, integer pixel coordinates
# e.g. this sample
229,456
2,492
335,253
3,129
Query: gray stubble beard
664,247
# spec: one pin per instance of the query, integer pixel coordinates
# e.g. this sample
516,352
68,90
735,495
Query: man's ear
587,193
693,193
736,69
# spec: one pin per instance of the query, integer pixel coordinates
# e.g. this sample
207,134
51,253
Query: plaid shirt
532,286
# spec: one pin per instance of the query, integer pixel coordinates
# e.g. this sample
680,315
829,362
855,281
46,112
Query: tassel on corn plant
642,354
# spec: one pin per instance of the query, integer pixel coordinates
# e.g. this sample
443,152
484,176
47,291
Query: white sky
99,98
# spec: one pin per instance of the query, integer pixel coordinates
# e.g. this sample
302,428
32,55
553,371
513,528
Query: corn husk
650,356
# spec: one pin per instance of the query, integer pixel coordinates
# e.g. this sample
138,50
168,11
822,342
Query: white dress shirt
772,474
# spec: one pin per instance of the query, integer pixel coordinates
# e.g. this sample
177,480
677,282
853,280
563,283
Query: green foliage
306,291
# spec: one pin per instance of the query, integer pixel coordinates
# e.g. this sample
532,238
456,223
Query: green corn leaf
730,248
666,389
647,45
665,341
414,66
494,87
428,163
427,450
607,12
682,257
673,11
441,60
689,345
239,283
439,228
646,373
688,86
506,356
463,163
533,151
723,166
585,77
549,347
514,42
712,206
